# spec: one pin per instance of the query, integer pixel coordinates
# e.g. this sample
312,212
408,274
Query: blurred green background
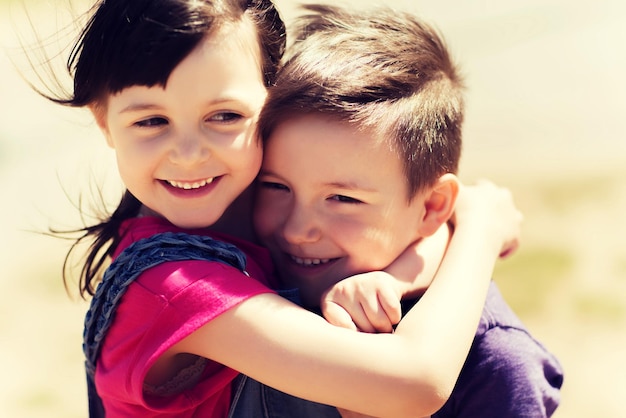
545,102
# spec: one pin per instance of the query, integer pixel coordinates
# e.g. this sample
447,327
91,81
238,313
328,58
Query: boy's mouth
190,185
312,262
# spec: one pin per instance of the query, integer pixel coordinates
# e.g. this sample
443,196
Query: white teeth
310,261
189,186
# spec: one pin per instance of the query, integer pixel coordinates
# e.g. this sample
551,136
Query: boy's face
332,202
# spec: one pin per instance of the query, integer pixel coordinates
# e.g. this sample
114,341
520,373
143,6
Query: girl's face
188,150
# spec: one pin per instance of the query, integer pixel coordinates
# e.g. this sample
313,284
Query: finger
376,316
336,315
391,305
509,249
354,313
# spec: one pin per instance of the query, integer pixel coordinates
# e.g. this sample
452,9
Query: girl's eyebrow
137,107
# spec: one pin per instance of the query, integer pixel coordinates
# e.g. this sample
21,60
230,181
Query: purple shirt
507,374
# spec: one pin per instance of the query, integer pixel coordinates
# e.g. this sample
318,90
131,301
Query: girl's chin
192,222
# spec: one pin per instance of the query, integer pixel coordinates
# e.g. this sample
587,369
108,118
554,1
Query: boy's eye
273,186
151,122
345,199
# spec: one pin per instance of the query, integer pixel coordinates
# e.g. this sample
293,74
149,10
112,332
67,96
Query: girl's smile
187,149
189,186
194,189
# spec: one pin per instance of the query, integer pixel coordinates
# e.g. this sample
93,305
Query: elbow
425,405
423,396
438,395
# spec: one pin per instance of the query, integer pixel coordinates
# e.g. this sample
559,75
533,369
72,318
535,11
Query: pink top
164,305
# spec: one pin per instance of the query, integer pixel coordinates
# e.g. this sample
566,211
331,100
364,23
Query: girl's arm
370,302
412,370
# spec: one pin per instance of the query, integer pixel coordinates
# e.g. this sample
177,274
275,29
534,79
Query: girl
176,87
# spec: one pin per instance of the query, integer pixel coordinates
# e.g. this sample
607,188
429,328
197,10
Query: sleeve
163,306
507,374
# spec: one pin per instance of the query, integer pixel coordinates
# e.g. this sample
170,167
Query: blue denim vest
131,262
252,399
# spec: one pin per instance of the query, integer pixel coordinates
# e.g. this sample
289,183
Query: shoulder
497,313
258,262
506,359
502,334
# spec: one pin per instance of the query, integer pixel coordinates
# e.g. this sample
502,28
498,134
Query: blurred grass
530,278
562,196
570,260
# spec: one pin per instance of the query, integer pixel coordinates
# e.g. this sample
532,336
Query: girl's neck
237,220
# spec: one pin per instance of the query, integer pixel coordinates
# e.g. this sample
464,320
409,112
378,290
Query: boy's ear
439,204
99,114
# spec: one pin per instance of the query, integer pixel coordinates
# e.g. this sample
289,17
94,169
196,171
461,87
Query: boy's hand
368,302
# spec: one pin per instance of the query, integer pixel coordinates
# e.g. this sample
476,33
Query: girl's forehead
235,34
233,43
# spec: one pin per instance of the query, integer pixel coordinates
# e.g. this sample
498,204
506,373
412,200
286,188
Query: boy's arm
370,302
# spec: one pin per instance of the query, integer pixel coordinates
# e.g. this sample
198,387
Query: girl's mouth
190,185
191,189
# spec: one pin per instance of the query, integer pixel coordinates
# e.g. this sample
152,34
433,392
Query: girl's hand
492,206
368,302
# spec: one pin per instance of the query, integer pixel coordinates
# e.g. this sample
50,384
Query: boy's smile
332,202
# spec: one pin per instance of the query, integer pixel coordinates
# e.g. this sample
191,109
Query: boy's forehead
367,136
348,146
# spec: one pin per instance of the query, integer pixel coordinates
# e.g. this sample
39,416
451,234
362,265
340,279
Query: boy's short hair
385,71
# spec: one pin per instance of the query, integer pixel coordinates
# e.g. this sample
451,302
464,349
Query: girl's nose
189,149
301,226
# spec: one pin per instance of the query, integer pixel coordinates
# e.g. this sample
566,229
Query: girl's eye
225,117
345,199
270,185
151,122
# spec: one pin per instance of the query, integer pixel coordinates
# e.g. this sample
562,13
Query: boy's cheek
264,220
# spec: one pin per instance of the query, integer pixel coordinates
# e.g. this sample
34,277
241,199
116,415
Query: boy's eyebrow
345,185
263,171
348,185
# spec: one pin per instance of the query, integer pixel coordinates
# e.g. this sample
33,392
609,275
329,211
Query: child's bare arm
425,353
370,302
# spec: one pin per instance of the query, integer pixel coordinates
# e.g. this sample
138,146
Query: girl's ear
439,203
99,114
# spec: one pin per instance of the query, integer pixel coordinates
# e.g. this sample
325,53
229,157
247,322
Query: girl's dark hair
140,42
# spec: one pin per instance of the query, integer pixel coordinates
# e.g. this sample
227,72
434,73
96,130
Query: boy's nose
301,227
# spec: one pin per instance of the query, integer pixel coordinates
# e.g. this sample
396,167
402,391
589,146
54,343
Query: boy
362,139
